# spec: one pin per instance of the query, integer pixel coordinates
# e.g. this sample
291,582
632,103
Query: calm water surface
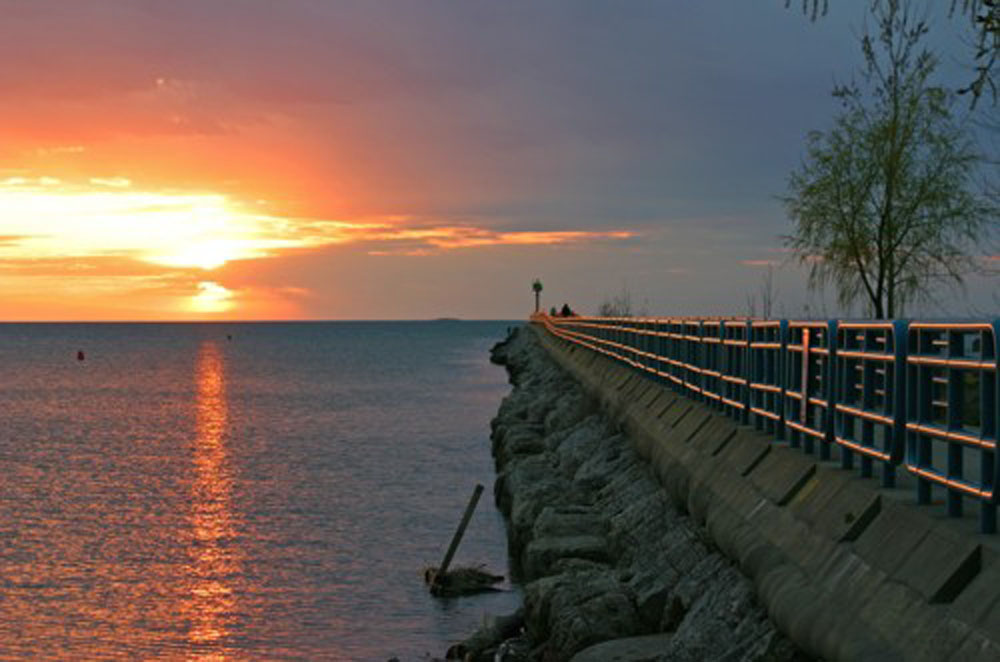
182,496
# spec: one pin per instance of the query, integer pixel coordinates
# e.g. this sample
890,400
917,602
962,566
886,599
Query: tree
985,18
883,206
767,293
619,305
985,15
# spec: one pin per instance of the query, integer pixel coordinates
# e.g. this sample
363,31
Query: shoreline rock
602,553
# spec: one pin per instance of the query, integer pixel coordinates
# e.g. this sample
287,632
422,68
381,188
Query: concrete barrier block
673,414
621,380
899,612
654,405
618,369
817,621
781,529
714,435
781,474
652,395
835,504
668,400
841,571
929,557
676,480
583,357
978,647
740,496
700,495
701,470
938,639
979,603
663,453
745,450
635,388
646,432
891,537
942,564
696,417
601,368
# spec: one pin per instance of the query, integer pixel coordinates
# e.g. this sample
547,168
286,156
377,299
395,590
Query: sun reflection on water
212,602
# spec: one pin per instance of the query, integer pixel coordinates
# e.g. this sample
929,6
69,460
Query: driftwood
461,581
442,571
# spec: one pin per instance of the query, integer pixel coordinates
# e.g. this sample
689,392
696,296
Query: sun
207,254
203,231
212,298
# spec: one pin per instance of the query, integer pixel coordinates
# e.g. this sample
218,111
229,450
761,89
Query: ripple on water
182,497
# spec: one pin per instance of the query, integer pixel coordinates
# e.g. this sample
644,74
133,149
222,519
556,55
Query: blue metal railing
919,395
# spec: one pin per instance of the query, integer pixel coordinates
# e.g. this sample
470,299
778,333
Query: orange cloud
458,237
108,242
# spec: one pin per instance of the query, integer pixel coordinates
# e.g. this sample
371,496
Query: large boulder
541,554
574,610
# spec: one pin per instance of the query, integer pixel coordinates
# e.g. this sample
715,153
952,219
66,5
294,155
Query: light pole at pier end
536,285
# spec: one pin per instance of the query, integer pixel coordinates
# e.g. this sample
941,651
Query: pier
847,467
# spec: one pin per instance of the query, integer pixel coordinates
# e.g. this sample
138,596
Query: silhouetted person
566,311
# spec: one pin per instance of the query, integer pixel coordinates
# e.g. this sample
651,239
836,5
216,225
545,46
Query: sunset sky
311,159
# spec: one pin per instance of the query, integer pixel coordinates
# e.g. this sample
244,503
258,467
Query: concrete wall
846,570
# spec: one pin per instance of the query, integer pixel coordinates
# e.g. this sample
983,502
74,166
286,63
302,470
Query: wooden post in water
457,538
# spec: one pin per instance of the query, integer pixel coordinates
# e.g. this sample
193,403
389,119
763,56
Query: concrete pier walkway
846,569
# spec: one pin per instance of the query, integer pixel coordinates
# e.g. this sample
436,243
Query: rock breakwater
611,569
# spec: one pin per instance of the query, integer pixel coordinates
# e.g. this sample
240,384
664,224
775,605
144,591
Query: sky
309,159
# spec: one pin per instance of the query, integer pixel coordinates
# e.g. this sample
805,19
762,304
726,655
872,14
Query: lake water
180,495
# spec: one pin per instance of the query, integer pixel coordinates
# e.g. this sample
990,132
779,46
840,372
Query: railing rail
920,395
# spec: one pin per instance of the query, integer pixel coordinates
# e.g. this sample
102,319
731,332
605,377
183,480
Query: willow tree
883,204
986,19
984,16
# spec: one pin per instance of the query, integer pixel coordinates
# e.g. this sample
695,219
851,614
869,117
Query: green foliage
813,8
882,205
985,15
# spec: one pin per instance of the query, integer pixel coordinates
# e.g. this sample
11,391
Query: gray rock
603,617
573,407
615,556
720,620
482,645
634,649
520,439
652,587
574,610
602,464
575,565
526,487
584,439
541,554
569,520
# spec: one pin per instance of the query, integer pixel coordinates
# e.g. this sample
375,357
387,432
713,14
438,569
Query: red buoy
79,355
